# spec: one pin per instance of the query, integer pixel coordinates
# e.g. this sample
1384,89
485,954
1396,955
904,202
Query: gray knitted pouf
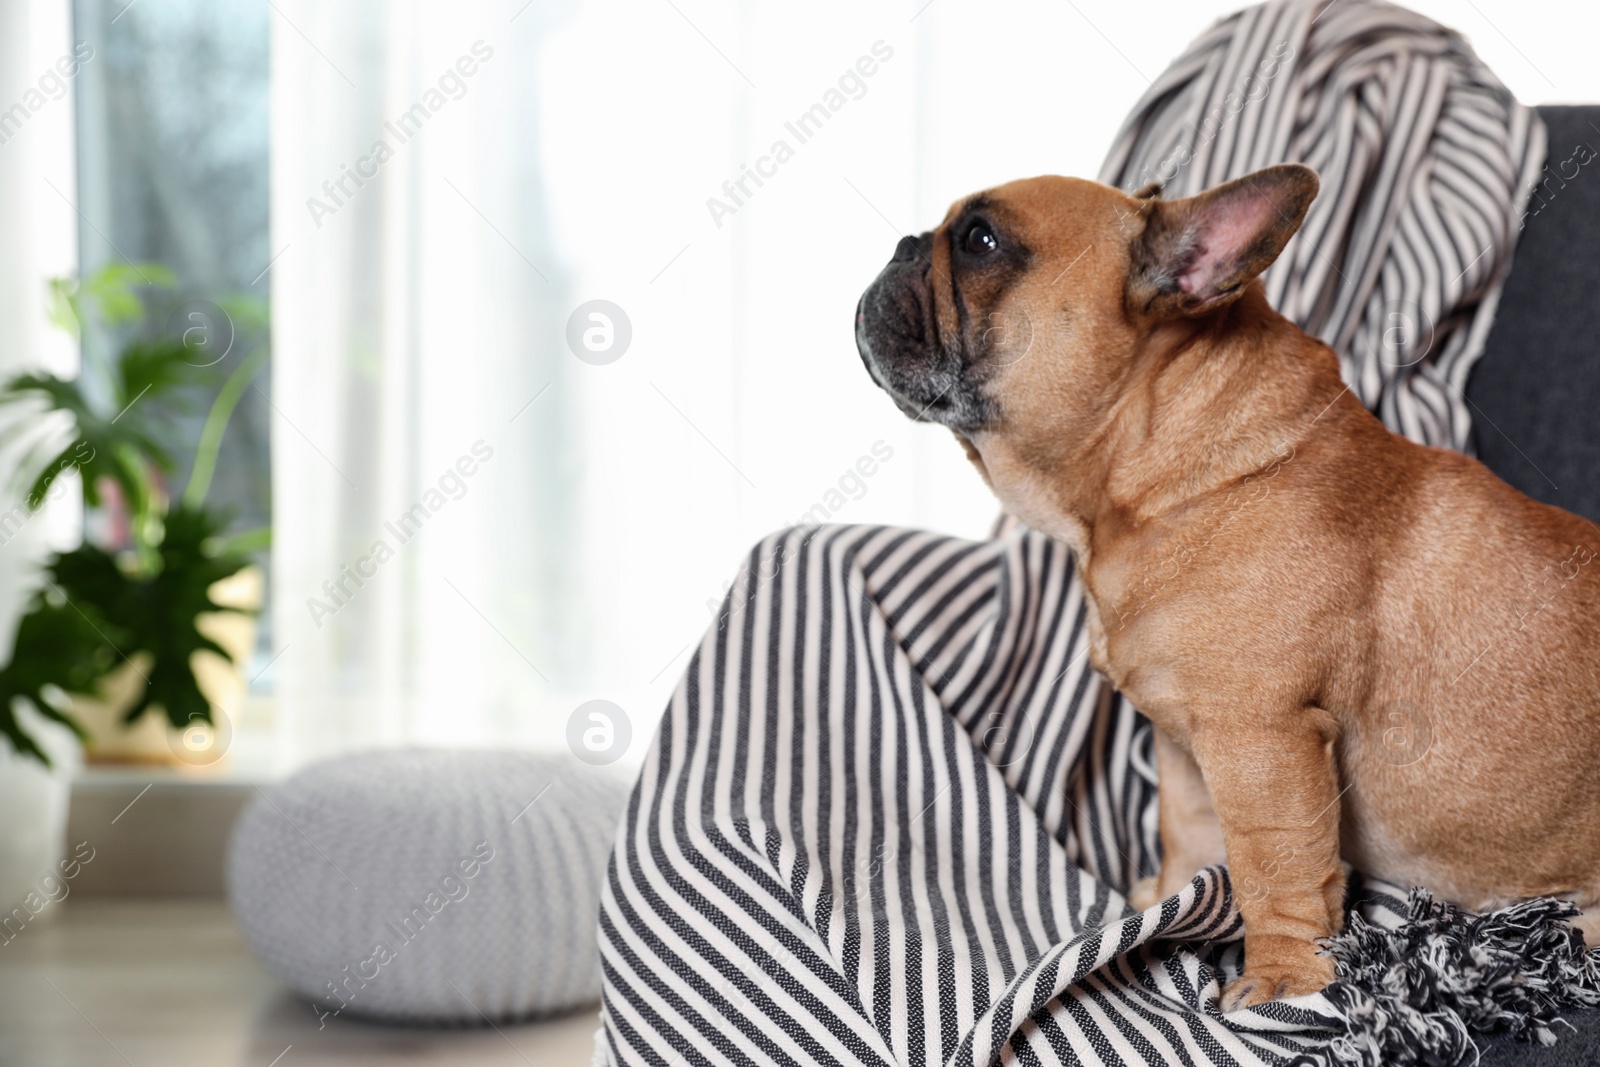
430,885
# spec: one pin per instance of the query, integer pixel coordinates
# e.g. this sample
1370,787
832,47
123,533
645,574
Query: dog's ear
1198,254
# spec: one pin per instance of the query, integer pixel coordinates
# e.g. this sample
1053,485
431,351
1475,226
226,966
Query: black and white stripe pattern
1426,161
889,817
891,811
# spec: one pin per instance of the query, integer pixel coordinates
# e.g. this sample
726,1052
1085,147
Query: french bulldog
1352,647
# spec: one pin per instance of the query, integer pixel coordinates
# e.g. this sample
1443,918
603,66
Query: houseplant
134,595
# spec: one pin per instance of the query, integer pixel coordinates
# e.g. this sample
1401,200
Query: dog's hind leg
1191,836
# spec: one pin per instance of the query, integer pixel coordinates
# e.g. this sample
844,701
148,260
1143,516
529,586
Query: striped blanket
891,813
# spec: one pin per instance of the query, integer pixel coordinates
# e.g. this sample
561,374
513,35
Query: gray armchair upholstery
1536,391
1536,401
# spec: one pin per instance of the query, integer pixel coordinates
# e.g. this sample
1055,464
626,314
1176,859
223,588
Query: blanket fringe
1414,994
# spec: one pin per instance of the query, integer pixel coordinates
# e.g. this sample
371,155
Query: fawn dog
1351,645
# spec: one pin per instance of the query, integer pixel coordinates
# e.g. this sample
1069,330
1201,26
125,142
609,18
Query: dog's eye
980,239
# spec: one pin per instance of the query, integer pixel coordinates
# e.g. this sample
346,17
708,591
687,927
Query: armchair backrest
1535,393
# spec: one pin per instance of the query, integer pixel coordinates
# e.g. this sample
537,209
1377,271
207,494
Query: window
172,170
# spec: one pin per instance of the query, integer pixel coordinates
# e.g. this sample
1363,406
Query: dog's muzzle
898,336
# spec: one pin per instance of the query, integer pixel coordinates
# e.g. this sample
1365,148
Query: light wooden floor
169,983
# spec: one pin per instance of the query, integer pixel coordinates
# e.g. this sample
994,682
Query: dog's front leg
1276,792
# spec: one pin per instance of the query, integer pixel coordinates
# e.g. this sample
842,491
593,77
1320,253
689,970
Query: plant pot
154,740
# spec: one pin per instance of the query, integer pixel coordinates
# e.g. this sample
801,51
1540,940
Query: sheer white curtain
420,519
39,223
625,151
604,151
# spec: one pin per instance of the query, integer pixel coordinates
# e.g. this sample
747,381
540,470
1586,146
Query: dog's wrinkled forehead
1006,205
972,202
1050,213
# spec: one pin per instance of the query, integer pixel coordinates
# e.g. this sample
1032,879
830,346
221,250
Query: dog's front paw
1145,894
1284,968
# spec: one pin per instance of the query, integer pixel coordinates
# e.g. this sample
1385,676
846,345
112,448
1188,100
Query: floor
169,982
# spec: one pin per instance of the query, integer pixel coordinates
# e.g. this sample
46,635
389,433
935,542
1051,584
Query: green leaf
122,445
57,645
154,370
246,542
192,560
92,615
112,292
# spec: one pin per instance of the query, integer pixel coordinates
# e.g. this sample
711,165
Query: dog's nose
911,248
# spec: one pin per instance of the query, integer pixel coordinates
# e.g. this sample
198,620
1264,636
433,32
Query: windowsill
251,759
